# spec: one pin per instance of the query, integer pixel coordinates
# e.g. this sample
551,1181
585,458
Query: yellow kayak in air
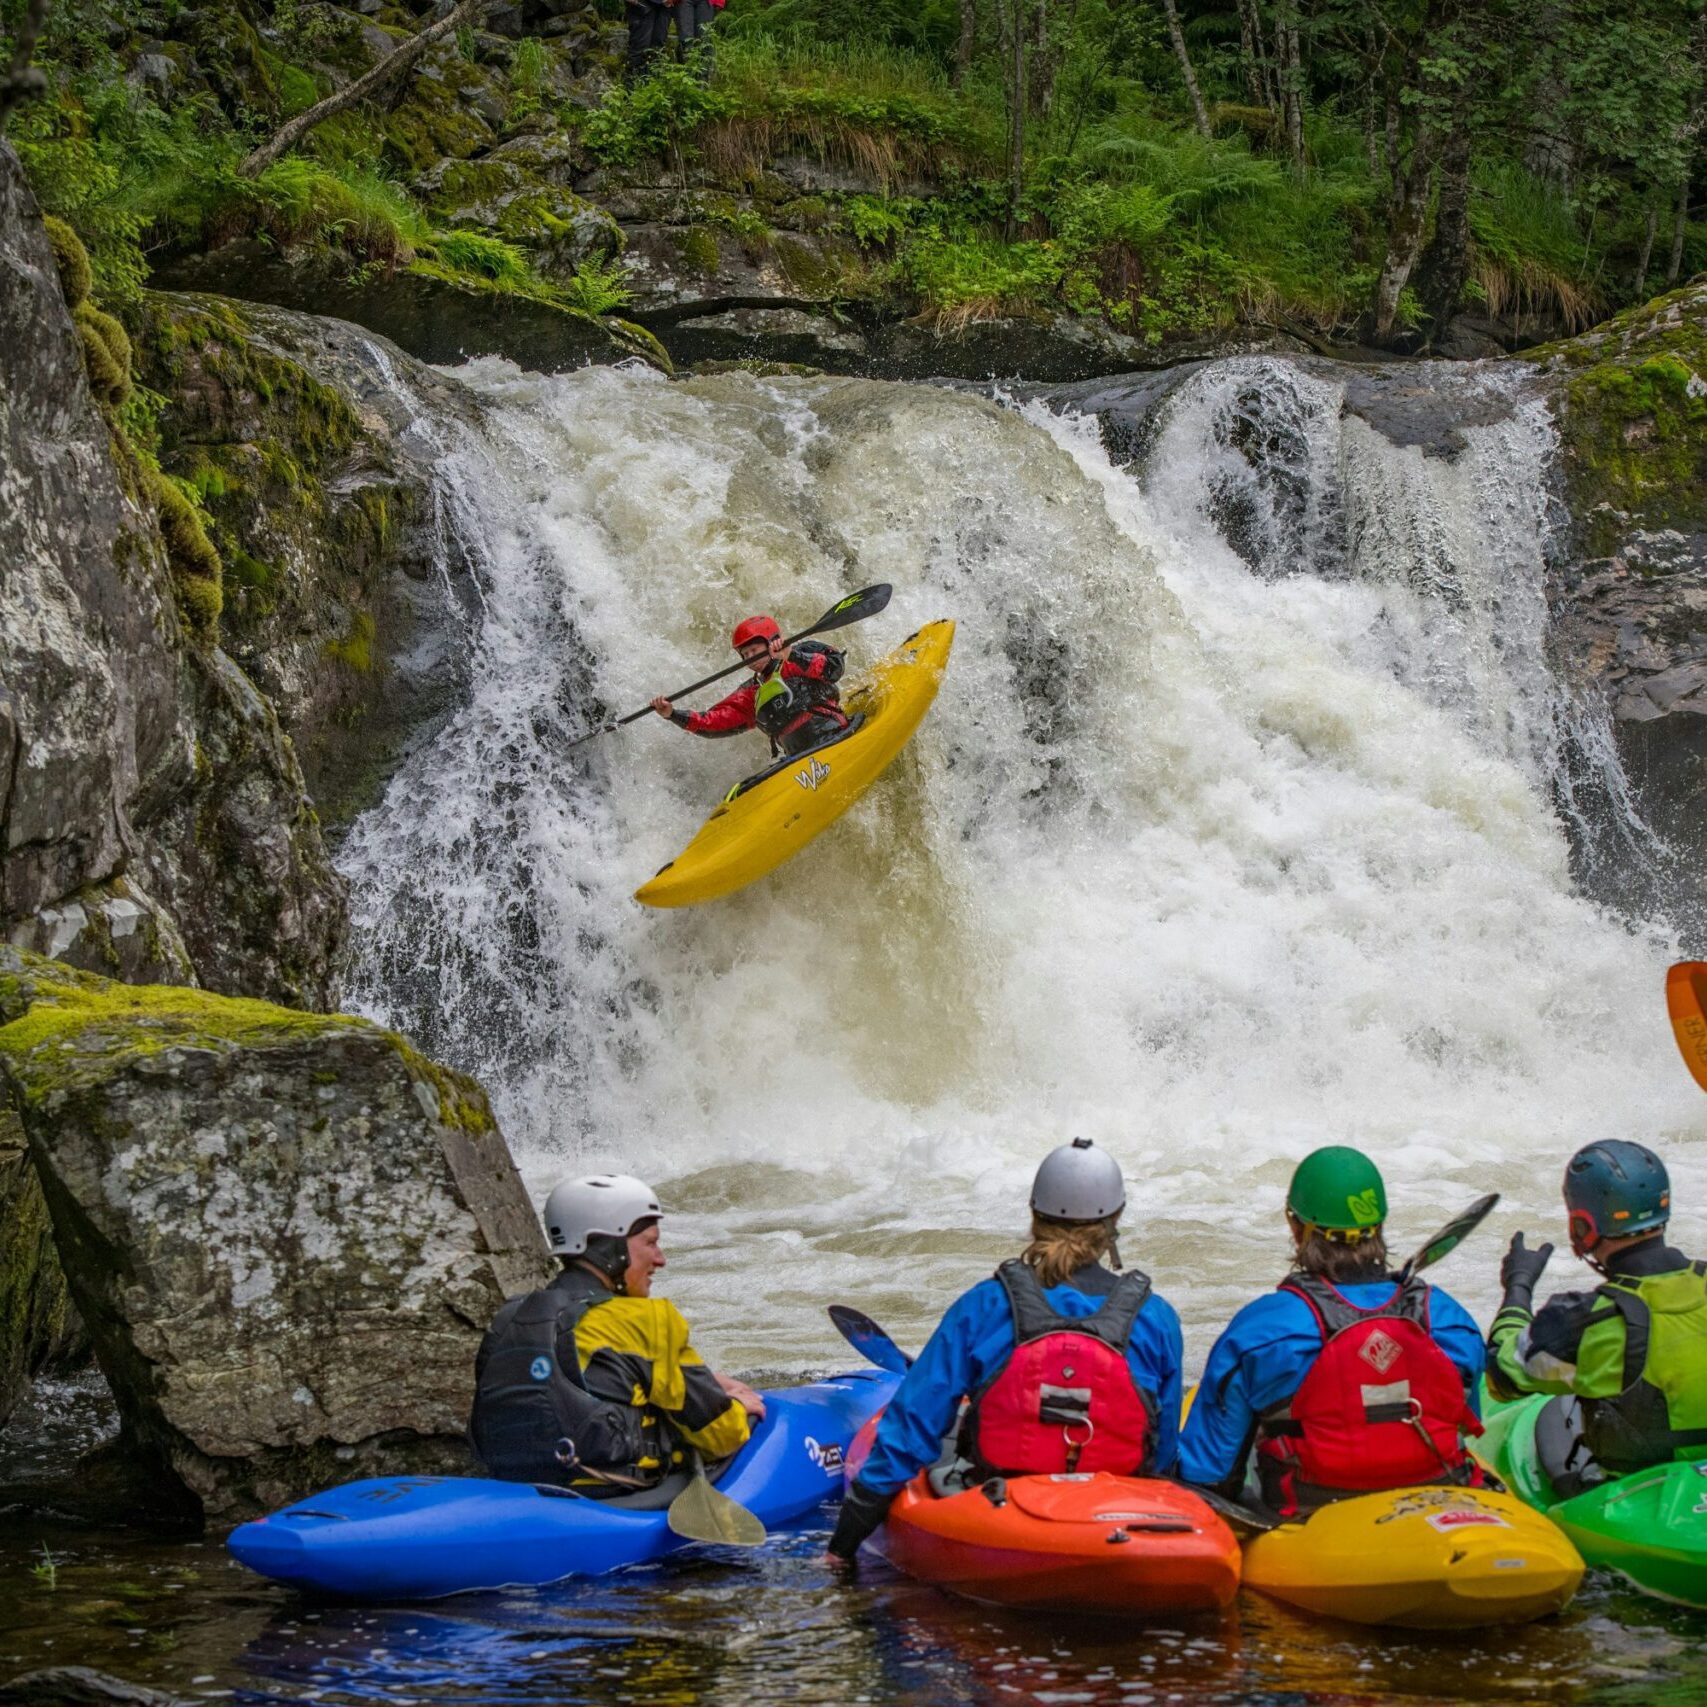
1424,1558
769,818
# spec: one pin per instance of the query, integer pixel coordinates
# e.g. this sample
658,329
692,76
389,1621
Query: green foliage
482,257
876,221
527,78
656,116
598,287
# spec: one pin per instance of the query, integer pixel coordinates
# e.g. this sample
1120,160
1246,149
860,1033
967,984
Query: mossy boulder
285,1231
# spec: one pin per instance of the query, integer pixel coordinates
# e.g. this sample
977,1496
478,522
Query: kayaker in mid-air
591,1382
1344,1380
1633,1350
1070,1366
792,697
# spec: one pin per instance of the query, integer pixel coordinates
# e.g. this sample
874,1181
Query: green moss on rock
71,259
1631,405
69,1030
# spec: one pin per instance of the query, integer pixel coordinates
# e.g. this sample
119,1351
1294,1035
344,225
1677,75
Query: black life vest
782,707
1063,1400
529,1394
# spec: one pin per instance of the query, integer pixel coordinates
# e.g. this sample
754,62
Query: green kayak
1650,1526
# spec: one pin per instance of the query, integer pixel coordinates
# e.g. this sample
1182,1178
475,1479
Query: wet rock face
313,443
286,1232
1630,399
153,821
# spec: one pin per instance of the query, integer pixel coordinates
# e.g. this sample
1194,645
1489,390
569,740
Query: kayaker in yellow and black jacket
591,1381
1633,1350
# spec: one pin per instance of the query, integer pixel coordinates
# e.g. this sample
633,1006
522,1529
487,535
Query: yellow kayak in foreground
1425,1558
765,821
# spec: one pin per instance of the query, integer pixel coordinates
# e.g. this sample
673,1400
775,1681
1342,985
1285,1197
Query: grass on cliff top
69,1029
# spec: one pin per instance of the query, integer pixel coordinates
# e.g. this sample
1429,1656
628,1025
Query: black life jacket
784,706
529,1394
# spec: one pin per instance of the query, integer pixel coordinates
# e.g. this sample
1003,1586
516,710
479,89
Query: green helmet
1338,1190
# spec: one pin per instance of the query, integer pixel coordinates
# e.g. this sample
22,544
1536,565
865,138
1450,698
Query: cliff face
153,822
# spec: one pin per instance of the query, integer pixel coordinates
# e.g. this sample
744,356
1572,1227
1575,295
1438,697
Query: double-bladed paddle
1686,1002
1451,1236
700,1513
856,607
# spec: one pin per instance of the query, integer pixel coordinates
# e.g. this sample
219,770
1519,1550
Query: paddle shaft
855,608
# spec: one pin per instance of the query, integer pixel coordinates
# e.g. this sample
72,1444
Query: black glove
863,1513
1520,1271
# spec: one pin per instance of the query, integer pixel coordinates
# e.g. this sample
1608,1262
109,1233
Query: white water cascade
1209,861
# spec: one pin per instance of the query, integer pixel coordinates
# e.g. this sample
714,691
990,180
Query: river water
1251,816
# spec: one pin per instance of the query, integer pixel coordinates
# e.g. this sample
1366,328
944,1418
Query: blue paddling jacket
1261,1359
972,1342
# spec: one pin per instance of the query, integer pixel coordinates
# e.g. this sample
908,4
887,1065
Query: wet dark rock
80,1686
153,821
286,1232
1630,398
429,313
315,442
39,1329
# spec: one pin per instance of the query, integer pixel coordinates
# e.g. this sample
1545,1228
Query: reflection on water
773,1626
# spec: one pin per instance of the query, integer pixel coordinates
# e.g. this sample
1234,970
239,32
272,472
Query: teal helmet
1615,1188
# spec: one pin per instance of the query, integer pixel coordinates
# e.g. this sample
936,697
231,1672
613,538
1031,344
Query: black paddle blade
869,1340
856,607
1453,1234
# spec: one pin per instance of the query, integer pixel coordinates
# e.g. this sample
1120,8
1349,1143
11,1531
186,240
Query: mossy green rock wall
285,1231
1630,591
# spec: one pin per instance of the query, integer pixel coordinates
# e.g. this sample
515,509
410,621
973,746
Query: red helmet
755,628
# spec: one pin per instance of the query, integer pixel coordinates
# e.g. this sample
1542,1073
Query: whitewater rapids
1212,855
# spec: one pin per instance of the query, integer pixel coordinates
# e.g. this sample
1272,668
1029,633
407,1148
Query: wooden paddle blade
1453,1234
700,1513
869,1340
1686,1001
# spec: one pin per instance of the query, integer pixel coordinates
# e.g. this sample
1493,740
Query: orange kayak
1130,1545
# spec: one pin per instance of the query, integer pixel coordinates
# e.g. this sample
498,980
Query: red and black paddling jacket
1381,1407
811,671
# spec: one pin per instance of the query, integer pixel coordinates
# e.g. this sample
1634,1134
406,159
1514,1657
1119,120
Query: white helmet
580,1209
1078,1182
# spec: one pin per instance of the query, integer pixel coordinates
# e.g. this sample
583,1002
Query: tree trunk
1042,62
21,80
1175,34
1016,127
1649,232
1395,165
963,48
1372,58
1404,234
1679,230
1445,265
1250,54
1291,78
287,136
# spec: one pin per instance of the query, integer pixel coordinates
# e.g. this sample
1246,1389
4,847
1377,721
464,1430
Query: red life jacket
1381,1407
1064,1399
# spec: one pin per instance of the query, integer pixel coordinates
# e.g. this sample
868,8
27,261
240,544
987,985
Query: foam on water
1208,861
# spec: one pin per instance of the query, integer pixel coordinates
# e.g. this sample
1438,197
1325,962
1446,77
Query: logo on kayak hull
827,1458
812,775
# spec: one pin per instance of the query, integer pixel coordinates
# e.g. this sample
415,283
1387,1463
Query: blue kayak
421,1537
